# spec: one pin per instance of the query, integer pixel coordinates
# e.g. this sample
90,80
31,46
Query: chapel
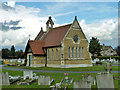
64,46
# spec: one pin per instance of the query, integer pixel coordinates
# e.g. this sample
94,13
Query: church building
64,47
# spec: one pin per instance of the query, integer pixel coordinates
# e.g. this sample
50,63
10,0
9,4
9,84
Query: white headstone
44,80
58,85
89,78
5,79
28,74
105,80
23,61
82,84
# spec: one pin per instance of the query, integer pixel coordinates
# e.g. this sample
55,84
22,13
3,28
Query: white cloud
11,3
104,30
29,21
31,24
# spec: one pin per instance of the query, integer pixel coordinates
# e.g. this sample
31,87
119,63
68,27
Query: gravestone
28,74
26,82
5,79
66,88
81,84
89,78
108,67
92,80
105,80
51,82
58,85
14,79
34,76
67,81
44,80
52,87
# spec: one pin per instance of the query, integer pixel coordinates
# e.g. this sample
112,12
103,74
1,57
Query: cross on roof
29,36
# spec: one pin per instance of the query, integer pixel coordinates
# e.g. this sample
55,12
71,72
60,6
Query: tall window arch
76,52
82,52
79,51
72,52
48,54
68,52
56,54
52,54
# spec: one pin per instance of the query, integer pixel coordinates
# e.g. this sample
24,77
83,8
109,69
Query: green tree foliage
5,53
19,54
12,51
94,46
118,50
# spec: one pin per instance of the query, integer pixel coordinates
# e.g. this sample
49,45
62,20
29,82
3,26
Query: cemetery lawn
56,76
93,68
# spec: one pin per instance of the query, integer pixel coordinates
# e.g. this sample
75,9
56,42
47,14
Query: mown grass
93,68
57,77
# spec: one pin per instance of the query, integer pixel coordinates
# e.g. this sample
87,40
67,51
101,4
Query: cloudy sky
18,20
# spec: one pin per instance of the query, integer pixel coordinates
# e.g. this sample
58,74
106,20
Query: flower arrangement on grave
66,75
89,74
66,80
6,62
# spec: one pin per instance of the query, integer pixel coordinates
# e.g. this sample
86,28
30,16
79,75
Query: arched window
72,52
82,52
48,54
52,54
76,52
68,52
56,54
79,51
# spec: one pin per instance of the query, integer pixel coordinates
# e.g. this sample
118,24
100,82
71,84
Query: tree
117,49
94,46
12,51
5,53
19,54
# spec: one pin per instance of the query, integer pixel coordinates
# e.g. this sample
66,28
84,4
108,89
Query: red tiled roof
56,35
36,46
39,35
53,38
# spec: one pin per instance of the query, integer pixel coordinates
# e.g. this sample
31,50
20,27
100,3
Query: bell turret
49,24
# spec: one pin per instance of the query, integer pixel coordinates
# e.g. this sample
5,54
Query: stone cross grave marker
108,67
4,79
44,80
105,80
81,84
28,74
